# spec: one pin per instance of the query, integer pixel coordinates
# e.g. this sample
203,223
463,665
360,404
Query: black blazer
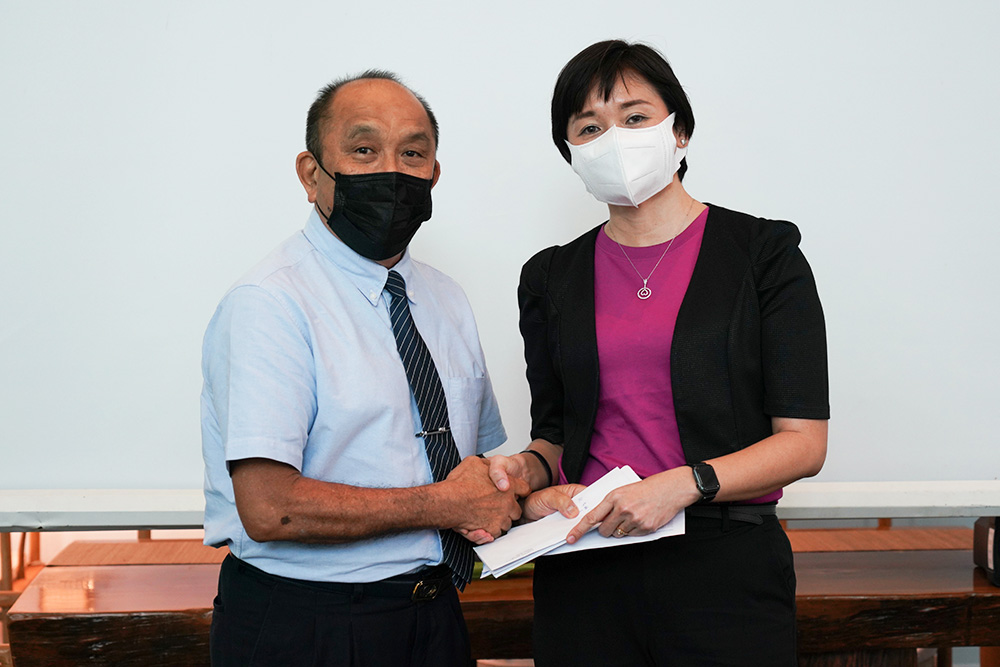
749,342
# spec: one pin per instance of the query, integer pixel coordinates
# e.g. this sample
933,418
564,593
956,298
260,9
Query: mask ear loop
320,163
677,153
326,216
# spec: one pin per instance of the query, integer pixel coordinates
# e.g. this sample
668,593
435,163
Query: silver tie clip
437,431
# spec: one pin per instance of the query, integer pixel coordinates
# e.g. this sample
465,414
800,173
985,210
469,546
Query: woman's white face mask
625,167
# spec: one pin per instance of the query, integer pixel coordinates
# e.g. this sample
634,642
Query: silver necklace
644,291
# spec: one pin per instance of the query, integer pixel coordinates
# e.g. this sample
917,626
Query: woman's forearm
796,450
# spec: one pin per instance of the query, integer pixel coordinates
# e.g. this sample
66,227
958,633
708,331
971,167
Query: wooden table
115,615
854,608
878,607
144,603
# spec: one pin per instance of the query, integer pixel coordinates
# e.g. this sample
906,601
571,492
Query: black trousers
722,594
261,619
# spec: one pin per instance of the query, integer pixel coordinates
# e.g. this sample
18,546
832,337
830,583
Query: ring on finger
620,533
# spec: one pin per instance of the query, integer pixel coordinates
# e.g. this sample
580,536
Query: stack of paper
548,535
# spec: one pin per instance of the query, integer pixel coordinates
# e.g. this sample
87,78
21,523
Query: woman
684,340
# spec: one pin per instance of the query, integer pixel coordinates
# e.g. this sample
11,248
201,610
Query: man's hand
538,504
502,469
483,510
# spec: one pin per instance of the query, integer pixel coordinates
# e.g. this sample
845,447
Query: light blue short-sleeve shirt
300,366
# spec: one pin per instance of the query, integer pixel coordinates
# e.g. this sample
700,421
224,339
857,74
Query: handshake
489,495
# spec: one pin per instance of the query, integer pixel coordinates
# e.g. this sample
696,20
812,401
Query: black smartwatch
706,481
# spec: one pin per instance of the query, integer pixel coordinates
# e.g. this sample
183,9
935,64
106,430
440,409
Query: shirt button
409,293
372,295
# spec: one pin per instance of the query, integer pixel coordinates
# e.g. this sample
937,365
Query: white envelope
548,535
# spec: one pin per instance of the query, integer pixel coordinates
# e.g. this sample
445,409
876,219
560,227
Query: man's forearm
276,502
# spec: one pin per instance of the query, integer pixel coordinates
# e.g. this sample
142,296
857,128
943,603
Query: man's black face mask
376,215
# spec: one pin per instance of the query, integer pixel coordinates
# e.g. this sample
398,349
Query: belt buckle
426,590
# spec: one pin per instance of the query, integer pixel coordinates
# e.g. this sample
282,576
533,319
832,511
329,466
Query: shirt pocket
465,401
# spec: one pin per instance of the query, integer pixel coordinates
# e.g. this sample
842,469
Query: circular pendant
644,293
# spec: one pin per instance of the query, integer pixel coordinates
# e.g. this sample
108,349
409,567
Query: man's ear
437,173
308,172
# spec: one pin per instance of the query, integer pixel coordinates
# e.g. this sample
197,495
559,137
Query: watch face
705,478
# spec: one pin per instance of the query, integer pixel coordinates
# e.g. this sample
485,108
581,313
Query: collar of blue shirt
365,274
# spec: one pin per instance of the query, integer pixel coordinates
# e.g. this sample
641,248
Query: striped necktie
433,408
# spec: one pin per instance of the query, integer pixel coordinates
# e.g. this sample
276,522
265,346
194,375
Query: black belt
748,513
424,584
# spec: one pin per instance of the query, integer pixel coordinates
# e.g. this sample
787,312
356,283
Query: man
344,384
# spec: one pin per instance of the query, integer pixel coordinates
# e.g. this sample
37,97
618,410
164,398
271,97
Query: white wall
147,156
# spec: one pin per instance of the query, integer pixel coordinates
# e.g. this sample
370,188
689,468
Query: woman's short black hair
602,65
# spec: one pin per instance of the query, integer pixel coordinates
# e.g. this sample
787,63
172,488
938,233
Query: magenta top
635,423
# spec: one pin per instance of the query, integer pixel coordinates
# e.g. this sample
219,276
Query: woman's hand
640,508
538,504
504,468
551,499
527,466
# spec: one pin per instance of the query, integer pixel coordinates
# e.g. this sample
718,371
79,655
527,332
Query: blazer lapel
571,287
700,347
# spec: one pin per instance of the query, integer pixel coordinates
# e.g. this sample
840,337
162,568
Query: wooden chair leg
6,581
6,564
34,548
20,557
